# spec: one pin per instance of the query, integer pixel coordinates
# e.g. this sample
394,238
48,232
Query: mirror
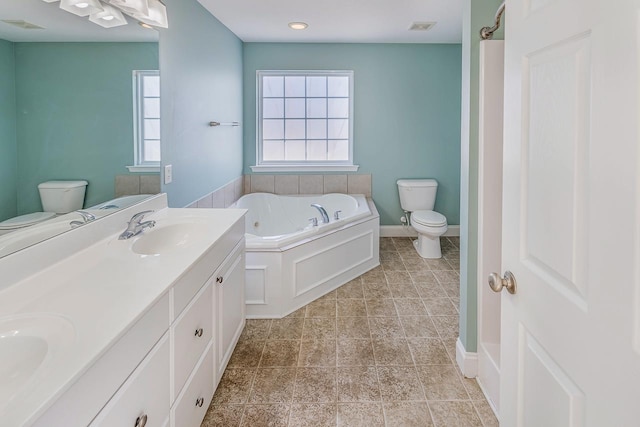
66,113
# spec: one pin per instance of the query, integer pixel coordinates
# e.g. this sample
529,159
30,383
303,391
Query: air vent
421,26
23,24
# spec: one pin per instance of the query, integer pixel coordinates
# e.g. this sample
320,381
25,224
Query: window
146,112
305,120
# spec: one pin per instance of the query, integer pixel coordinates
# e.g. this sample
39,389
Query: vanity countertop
100,292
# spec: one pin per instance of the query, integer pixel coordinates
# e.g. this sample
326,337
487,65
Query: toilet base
428,246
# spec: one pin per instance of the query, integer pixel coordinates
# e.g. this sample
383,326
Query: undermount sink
167,238
28,343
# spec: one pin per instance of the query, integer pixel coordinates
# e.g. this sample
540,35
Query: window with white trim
305,119
146,113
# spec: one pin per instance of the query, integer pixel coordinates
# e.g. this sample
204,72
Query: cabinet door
230,307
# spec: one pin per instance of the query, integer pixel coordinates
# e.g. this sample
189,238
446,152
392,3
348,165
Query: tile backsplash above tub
129,185
308,184
223,197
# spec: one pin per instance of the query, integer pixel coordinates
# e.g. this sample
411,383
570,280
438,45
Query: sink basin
167,238
28,344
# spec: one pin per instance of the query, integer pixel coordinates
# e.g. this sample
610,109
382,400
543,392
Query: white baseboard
404,231
468,362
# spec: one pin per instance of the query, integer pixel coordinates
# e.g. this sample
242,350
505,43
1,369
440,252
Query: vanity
99,331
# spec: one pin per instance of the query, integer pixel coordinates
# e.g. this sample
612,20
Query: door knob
508,281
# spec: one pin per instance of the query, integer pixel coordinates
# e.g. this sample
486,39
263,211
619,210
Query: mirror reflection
77,130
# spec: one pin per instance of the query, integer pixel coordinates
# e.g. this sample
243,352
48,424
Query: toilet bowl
57,197
417,197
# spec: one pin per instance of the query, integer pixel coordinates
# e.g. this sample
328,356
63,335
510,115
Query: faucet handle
140,215
336,215
314,221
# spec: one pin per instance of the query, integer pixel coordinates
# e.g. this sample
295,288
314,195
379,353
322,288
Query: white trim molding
407,231
467,361
304,168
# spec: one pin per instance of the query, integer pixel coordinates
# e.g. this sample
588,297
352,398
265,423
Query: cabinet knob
199,332
141,421
219,279
200,402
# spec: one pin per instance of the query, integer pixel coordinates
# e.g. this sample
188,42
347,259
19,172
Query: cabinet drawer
145,395
192,404
191,334
187,286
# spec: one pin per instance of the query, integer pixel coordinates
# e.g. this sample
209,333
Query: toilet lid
26,220
429,218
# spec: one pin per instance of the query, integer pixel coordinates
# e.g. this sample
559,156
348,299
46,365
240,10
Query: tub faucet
136,226
86,218
323,212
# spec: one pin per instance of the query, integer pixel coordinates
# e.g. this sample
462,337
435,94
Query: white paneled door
571,229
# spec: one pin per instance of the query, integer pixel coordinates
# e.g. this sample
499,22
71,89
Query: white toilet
418,196
57,197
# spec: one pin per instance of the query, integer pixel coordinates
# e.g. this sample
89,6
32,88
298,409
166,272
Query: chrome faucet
323,212
86,218
136,226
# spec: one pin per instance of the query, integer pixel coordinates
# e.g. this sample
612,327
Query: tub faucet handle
336,215
314,221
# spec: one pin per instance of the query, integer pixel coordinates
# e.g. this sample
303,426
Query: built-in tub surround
100,287
291,261
308,184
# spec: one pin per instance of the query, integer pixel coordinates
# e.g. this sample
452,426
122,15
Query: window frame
301,165
139,164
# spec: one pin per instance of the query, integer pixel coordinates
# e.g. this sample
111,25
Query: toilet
57,197
418,196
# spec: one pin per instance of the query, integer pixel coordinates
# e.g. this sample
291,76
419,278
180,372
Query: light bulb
82,5
108,18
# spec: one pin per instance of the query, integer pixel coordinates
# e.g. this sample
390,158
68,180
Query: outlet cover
168,174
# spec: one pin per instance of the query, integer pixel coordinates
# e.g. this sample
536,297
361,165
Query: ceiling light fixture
110,17
298,25
147,26
108,13
157,15
81,7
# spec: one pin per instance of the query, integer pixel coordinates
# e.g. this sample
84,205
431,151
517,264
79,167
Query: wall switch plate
168,174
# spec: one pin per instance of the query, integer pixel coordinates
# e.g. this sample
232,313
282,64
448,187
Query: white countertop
102,291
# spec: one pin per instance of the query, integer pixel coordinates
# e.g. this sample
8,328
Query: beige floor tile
360,415
389,352
407,414
442,382
385,327
351,307
381,307
353,327
280,353
358,384
474,390
404,290
403,242
374,276
459,414
298,313
352,289
223,416
234,386
266,416
319,328
313,415
387,244
413,264
447,276
399,383
286,329
430,290
273,385
322,308
418,326
317,353
328,296
428,351
447,326
315,385
255,329
392,255
410,307
422,277
355,352
247,354
376,290
486,414
397,277
393,266
452,289
438,264
440,307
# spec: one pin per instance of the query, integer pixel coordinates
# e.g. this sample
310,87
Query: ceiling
332,21
340,21
62,26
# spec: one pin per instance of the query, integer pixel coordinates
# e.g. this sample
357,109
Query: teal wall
75,114
8,147
407,112
475,16
201,81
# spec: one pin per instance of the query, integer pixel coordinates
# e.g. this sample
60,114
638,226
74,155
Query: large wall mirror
67,112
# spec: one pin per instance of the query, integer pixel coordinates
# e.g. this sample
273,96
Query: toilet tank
417,194
62,196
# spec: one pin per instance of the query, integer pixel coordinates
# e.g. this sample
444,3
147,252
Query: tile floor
378,351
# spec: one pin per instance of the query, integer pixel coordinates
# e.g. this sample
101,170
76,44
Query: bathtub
291,262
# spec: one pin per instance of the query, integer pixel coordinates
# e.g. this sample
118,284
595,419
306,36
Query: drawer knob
199,332
200,402
219,279
141,421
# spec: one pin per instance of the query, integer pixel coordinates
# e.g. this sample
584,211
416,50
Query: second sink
168,238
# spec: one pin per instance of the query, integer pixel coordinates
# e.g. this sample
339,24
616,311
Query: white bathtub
290,262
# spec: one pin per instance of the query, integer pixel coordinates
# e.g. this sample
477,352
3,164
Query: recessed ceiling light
298,25
421,26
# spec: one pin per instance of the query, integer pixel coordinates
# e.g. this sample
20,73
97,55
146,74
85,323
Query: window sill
144,169
304,168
